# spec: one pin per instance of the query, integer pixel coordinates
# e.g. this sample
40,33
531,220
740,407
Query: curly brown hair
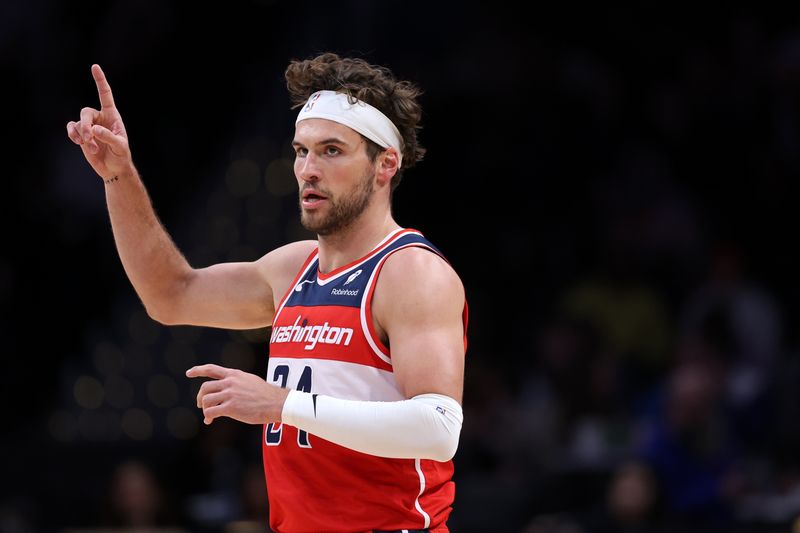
373,84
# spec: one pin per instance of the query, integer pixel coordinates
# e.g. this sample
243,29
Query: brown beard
343,212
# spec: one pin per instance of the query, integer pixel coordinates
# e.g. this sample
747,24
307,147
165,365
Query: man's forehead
316,130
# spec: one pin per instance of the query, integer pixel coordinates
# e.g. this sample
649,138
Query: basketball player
361,405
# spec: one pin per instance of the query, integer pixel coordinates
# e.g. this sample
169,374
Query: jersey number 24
274,431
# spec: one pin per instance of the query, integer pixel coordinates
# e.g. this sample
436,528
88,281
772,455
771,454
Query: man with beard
361,405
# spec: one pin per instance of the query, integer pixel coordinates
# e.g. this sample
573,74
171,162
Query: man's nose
307,168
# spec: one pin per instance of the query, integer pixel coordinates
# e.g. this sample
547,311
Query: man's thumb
106,136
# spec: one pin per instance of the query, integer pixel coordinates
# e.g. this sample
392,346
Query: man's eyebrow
329,140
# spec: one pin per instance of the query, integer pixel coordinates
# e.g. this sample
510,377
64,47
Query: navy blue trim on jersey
347,288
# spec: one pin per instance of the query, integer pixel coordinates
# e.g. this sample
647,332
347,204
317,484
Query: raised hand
101,134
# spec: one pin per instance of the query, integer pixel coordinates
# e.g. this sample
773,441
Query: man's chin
314,224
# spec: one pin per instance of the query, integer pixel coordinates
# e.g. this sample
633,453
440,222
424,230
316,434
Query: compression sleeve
424,427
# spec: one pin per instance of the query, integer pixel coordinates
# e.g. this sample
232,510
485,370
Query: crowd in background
617,192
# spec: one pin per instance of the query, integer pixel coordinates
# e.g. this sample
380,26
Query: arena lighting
143,329
108,358
236,354
137,424
118,392
63,426
99,425
243,178
223,233
186,334
88,392
280,177
178,356
162,391
182,423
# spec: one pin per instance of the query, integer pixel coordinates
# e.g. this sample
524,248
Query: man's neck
353,242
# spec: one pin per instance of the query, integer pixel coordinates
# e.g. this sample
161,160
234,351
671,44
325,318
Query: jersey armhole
368,321
381,350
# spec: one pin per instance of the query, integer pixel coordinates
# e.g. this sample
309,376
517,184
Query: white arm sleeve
425,427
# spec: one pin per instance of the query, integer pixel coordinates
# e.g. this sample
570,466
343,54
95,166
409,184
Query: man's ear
388,165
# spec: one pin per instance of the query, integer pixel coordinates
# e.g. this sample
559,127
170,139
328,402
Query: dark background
616,188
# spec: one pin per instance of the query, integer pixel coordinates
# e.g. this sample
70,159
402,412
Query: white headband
362,117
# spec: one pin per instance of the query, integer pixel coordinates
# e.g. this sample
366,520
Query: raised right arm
228,295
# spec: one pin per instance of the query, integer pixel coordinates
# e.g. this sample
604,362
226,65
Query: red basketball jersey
323,341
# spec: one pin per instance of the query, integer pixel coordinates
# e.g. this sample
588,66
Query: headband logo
312,101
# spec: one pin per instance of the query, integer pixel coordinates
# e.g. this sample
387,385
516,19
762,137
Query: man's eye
331,150
300,152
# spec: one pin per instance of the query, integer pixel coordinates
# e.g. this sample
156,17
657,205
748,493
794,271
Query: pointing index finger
103,88
208,371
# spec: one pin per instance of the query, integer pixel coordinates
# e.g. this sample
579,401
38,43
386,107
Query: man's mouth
312,198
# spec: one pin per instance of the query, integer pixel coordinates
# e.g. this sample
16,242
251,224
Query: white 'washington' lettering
311,335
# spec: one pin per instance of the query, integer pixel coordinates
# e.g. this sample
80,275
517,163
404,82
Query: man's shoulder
297,249
282,264
289,256
417,287
419,267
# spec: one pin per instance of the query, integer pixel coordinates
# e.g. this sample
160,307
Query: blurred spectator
632,502
775,498
740,322
644,210
629,315
553,523
632,499
137,499
224,454
502,450
580,381
689,446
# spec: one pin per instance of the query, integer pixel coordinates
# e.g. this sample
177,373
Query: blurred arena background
617,188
